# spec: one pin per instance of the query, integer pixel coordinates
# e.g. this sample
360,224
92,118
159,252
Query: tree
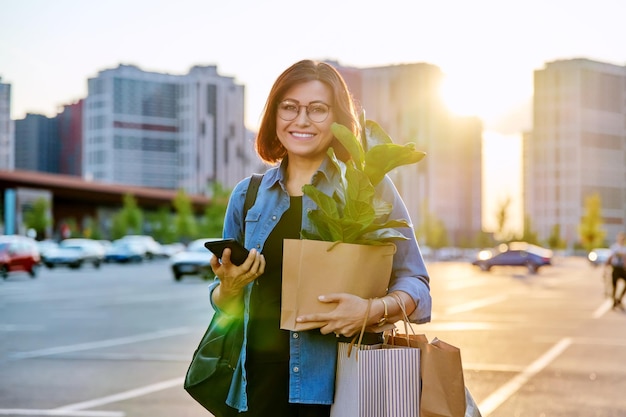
554,240
129,220
38,217
590,229
213,221
184,220
528,234
431,231
502,216
161,225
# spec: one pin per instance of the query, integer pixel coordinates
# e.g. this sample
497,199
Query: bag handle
360,335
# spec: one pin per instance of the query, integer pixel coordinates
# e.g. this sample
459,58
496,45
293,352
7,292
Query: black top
266,341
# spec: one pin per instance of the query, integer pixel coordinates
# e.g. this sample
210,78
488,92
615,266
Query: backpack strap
251,193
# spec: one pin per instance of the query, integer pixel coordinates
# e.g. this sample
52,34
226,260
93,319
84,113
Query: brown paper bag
443,385
313,267
377,381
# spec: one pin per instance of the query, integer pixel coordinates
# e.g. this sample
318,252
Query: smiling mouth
301,135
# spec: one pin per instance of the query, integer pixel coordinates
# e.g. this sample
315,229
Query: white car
151,248
74,253
194,260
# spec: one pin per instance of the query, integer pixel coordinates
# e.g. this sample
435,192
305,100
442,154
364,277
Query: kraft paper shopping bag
443,384
312,268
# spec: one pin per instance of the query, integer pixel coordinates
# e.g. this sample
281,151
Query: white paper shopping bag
377,381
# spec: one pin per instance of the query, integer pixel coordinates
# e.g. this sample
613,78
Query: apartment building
7,134
165,131
577,147
405,100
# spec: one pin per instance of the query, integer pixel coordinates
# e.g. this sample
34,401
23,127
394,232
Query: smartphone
238,253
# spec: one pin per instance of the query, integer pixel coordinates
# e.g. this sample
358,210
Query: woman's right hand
233,278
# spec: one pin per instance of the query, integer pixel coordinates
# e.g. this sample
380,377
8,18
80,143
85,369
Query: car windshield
197,246
72,247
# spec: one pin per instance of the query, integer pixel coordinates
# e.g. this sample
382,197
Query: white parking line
101,343
28,412
138,392
601,311
489,404
473,305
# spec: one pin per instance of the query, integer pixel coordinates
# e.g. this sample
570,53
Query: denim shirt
313,355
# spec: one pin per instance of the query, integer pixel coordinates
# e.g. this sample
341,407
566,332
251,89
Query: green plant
353,214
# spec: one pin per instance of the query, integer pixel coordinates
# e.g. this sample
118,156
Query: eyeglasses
316,111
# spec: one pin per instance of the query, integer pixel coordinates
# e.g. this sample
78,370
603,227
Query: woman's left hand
346,319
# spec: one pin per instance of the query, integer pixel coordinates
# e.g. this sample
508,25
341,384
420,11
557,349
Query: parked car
599,256
523,254
194,260
151,248
18,253
74,253
124,251
46,246
171,249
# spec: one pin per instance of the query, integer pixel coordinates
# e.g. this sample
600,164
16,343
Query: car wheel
49,266
484,267
96,264
4,271
177,277
532,268
33,271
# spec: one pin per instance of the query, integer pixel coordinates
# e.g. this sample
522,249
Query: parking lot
116,341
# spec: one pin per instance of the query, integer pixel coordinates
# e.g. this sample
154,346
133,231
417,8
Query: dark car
74,253
18,253
194,260
523,254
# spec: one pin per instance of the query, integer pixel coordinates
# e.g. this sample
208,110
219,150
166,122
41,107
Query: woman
283,373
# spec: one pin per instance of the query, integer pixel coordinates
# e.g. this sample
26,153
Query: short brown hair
267,144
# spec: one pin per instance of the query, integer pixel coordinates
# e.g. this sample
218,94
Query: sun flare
460,97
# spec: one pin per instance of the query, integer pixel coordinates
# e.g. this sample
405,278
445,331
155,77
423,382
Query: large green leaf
375,135
381,207
350,142
324,202
383,158
383,235
329,228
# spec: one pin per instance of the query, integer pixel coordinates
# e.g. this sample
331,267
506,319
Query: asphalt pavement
116,341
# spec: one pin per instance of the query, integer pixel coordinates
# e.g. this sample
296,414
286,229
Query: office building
70,126
577,147
165,131
7,134
405,101
37,143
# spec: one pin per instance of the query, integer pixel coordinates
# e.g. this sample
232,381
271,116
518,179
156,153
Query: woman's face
302,137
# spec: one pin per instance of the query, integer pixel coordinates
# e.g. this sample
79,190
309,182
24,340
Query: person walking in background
291,374
617,260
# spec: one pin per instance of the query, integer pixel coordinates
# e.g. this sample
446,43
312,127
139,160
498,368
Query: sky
488,50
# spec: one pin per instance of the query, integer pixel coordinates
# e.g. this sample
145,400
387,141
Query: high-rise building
7,133
70,125
165,131
577,147
37,143
405,101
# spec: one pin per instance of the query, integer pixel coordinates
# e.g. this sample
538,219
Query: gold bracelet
385,316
